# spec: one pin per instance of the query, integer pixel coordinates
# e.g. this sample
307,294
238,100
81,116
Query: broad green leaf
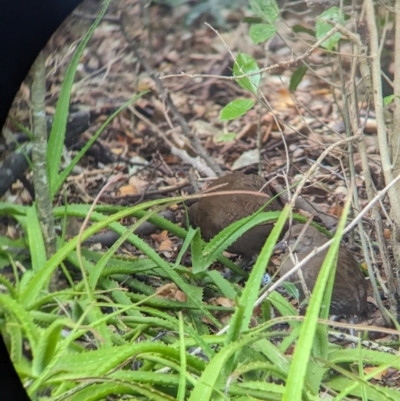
388,99
236,109
266,9
322,27
296,77
261,32
244,65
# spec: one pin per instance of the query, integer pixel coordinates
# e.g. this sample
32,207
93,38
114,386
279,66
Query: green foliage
297,77
322,27
268,13
235,109
259,33
246,65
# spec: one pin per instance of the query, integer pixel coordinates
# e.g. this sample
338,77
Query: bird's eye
296,237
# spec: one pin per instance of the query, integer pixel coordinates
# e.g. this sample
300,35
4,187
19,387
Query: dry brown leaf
127,190
336,209
371,369
172,292
166,246
222,302
138,184
160,237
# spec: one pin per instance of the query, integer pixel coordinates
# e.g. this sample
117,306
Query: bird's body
214,213
349,295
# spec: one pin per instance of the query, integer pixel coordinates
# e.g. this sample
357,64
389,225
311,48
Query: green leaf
32,333
297,77
320,295
388,99
244,65
46,347
226,288
374,393
7,209
261,32
291,289
35,239
322,27
231,136
236,109
249,295
230,234
57,134
266,9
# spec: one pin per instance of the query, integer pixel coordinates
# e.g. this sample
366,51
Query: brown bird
349,295
214,213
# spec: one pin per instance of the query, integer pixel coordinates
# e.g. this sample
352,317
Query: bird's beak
280,246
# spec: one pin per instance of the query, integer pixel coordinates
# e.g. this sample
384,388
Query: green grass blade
57,134
298,369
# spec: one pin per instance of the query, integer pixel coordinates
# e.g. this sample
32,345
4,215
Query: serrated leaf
291,289
46,347
322,27
236,109
268,10
243,65
296,78
261,32
197,253
8,209
226,288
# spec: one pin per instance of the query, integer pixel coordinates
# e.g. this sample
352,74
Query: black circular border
25,28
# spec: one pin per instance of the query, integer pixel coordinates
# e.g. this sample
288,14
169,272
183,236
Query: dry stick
354,122
375,92
196,162
394,136
379,195
382,136
178,116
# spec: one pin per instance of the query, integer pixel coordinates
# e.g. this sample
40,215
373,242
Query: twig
281,64
178,116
